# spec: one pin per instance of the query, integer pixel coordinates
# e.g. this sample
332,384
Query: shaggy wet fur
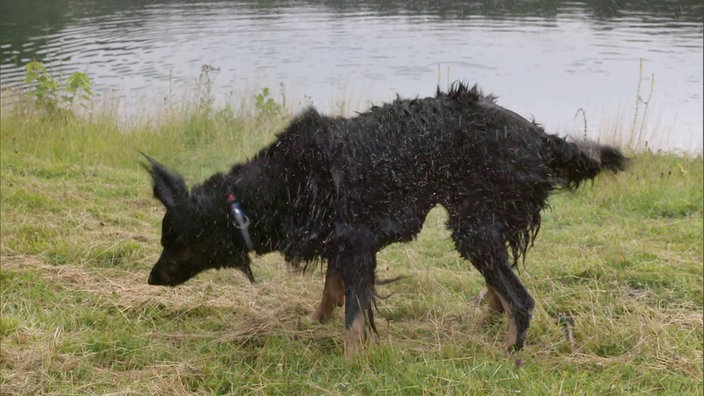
341,189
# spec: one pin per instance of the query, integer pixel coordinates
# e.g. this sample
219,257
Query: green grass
80,231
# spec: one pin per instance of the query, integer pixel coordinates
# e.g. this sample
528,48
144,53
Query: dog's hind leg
356,260
333,296
494,305
483,244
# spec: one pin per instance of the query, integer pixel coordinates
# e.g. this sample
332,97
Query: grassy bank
620,259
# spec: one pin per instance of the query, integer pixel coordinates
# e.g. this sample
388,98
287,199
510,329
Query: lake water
544,59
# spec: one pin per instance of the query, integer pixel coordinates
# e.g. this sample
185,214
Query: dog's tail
574,162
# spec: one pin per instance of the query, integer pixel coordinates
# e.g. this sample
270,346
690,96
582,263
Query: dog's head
196,232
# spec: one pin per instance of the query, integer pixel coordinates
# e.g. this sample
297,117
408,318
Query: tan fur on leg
333,296
512,336
354,337
494,306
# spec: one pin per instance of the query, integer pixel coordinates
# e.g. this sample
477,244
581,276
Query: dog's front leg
356,261
333,295
358,310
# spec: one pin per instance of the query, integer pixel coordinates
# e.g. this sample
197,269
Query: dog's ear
169,187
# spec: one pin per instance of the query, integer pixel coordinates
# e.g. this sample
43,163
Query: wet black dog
341,189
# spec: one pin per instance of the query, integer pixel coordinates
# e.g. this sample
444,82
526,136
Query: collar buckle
241,221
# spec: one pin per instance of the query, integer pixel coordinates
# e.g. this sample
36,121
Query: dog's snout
158,278
152,279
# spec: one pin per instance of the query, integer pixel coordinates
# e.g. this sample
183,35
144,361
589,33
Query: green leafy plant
266,105
78,84
45,86
50,93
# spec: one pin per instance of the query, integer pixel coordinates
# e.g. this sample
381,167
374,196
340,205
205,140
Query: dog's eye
182,252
